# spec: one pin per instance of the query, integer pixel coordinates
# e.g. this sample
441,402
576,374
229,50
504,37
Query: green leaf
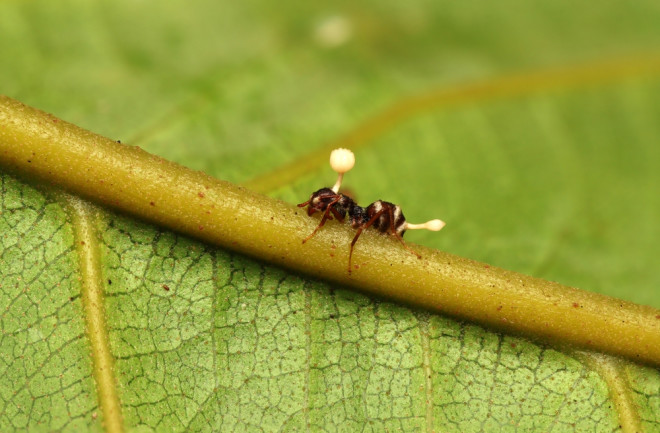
562,185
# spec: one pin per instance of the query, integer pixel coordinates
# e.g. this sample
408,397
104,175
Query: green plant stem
42,147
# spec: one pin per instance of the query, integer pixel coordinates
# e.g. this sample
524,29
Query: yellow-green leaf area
509,384
159,302
211,340
44,354
645,384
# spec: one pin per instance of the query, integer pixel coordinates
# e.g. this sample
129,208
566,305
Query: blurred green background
558,176
561,183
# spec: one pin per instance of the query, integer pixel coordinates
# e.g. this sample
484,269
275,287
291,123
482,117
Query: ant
384,216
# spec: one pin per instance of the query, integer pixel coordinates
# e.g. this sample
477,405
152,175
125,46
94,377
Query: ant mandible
384,216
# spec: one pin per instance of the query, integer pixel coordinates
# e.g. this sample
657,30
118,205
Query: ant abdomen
388,217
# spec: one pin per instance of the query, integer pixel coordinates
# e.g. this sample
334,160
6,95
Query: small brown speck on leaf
200,194
166,287
152,203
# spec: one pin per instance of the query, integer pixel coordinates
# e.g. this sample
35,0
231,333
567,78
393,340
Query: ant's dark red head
320,200
327,201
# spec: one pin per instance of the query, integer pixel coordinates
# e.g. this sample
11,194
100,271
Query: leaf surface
559,184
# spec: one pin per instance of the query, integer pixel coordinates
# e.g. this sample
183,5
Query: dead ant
384,216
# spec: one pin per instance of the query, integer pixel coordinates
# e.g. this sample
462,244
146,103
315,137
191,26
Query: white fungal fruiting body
433,225
341,161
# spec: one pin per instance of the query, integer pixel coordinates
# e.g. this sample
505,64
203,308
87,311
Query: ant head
341,161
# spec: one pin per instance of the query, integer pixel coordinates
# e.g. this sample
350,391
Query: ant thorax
358,216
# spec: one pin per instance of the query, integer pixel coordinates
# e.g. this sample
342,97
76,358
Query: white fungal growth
341,161
433,225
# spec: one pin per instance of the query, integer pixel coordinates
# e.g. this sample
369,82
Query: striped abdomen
390,216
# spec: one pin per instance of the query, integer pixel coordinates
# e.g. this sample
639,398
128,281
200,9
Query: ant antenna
341,161
433,225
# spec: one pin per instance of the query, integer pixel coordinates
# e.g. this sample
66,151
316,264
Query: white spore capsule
341,161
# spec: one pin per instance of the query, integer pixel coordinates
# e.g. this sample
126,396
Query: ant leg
393,229
357,235
326,215
350,254
338,216
323,220
310,210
